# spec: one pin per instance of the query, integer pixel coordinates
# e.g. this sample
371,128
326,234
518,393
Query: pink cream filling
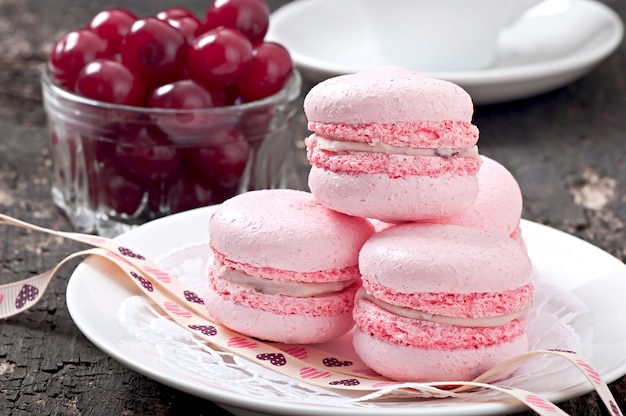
335,303
280,287
484,304
396,163
395,329
490,321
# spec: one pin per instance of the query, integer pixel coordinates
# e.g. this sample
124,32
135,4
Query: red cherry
189,192
72,51
181,94
174,13
145,152
117,191
110,81
155,50
223,160
231,95
219,57
256,123
185,95
250,17
100,149
188,26
271,67
112,25
183,20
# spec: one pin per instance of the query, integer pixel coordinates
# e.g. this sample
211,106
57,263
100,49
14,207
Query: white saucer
552,45
97,291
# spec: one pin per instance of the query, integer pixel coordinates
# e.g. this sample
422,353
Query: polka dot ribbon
300,362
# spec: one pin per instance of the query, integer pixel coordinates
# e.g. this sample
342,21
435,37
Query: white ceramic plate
96,291
552,45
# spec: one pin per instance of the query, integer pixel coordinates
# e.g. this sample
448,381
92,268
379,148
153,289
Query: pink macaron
441,302
392,145
285,266
498,206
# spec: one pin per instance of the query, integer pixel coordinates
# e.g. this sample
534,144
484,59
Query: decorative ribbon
300,362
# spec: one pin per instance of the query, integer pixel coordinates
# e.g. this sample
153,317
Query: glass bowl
116,166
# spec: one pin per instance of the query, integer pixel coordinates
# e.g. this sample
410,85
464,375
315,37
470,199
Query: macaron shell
378,196
386,95
443,258
408,363
286,229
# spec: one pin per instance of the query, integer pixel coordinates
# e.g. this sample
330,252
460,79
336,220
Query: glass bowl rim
290,92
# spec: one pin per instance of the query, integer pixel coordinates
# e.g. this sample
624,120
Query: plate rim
278,407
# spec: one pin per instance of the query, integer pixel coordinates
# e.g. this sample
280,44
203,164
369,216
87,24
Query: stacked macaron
392,145
445,294
437,287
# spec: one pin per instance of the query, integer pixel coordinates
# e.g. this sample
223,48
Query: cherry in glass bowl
118,166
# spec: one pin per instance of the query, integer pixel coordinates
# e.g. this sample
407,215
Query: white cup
440,35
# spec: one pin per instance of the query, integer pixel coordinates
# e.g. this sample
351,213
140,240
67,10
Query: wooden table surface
567,148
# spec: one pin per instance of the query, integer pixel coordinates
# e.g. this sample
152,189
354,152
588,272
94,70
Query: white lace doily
557,320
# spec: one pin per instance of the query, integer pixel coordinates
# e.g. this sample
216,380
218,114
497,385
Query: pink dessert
441,302
392,145
498,206
286,266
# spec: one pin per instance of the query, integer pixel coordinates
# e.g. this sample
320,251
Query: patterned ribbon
300,362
